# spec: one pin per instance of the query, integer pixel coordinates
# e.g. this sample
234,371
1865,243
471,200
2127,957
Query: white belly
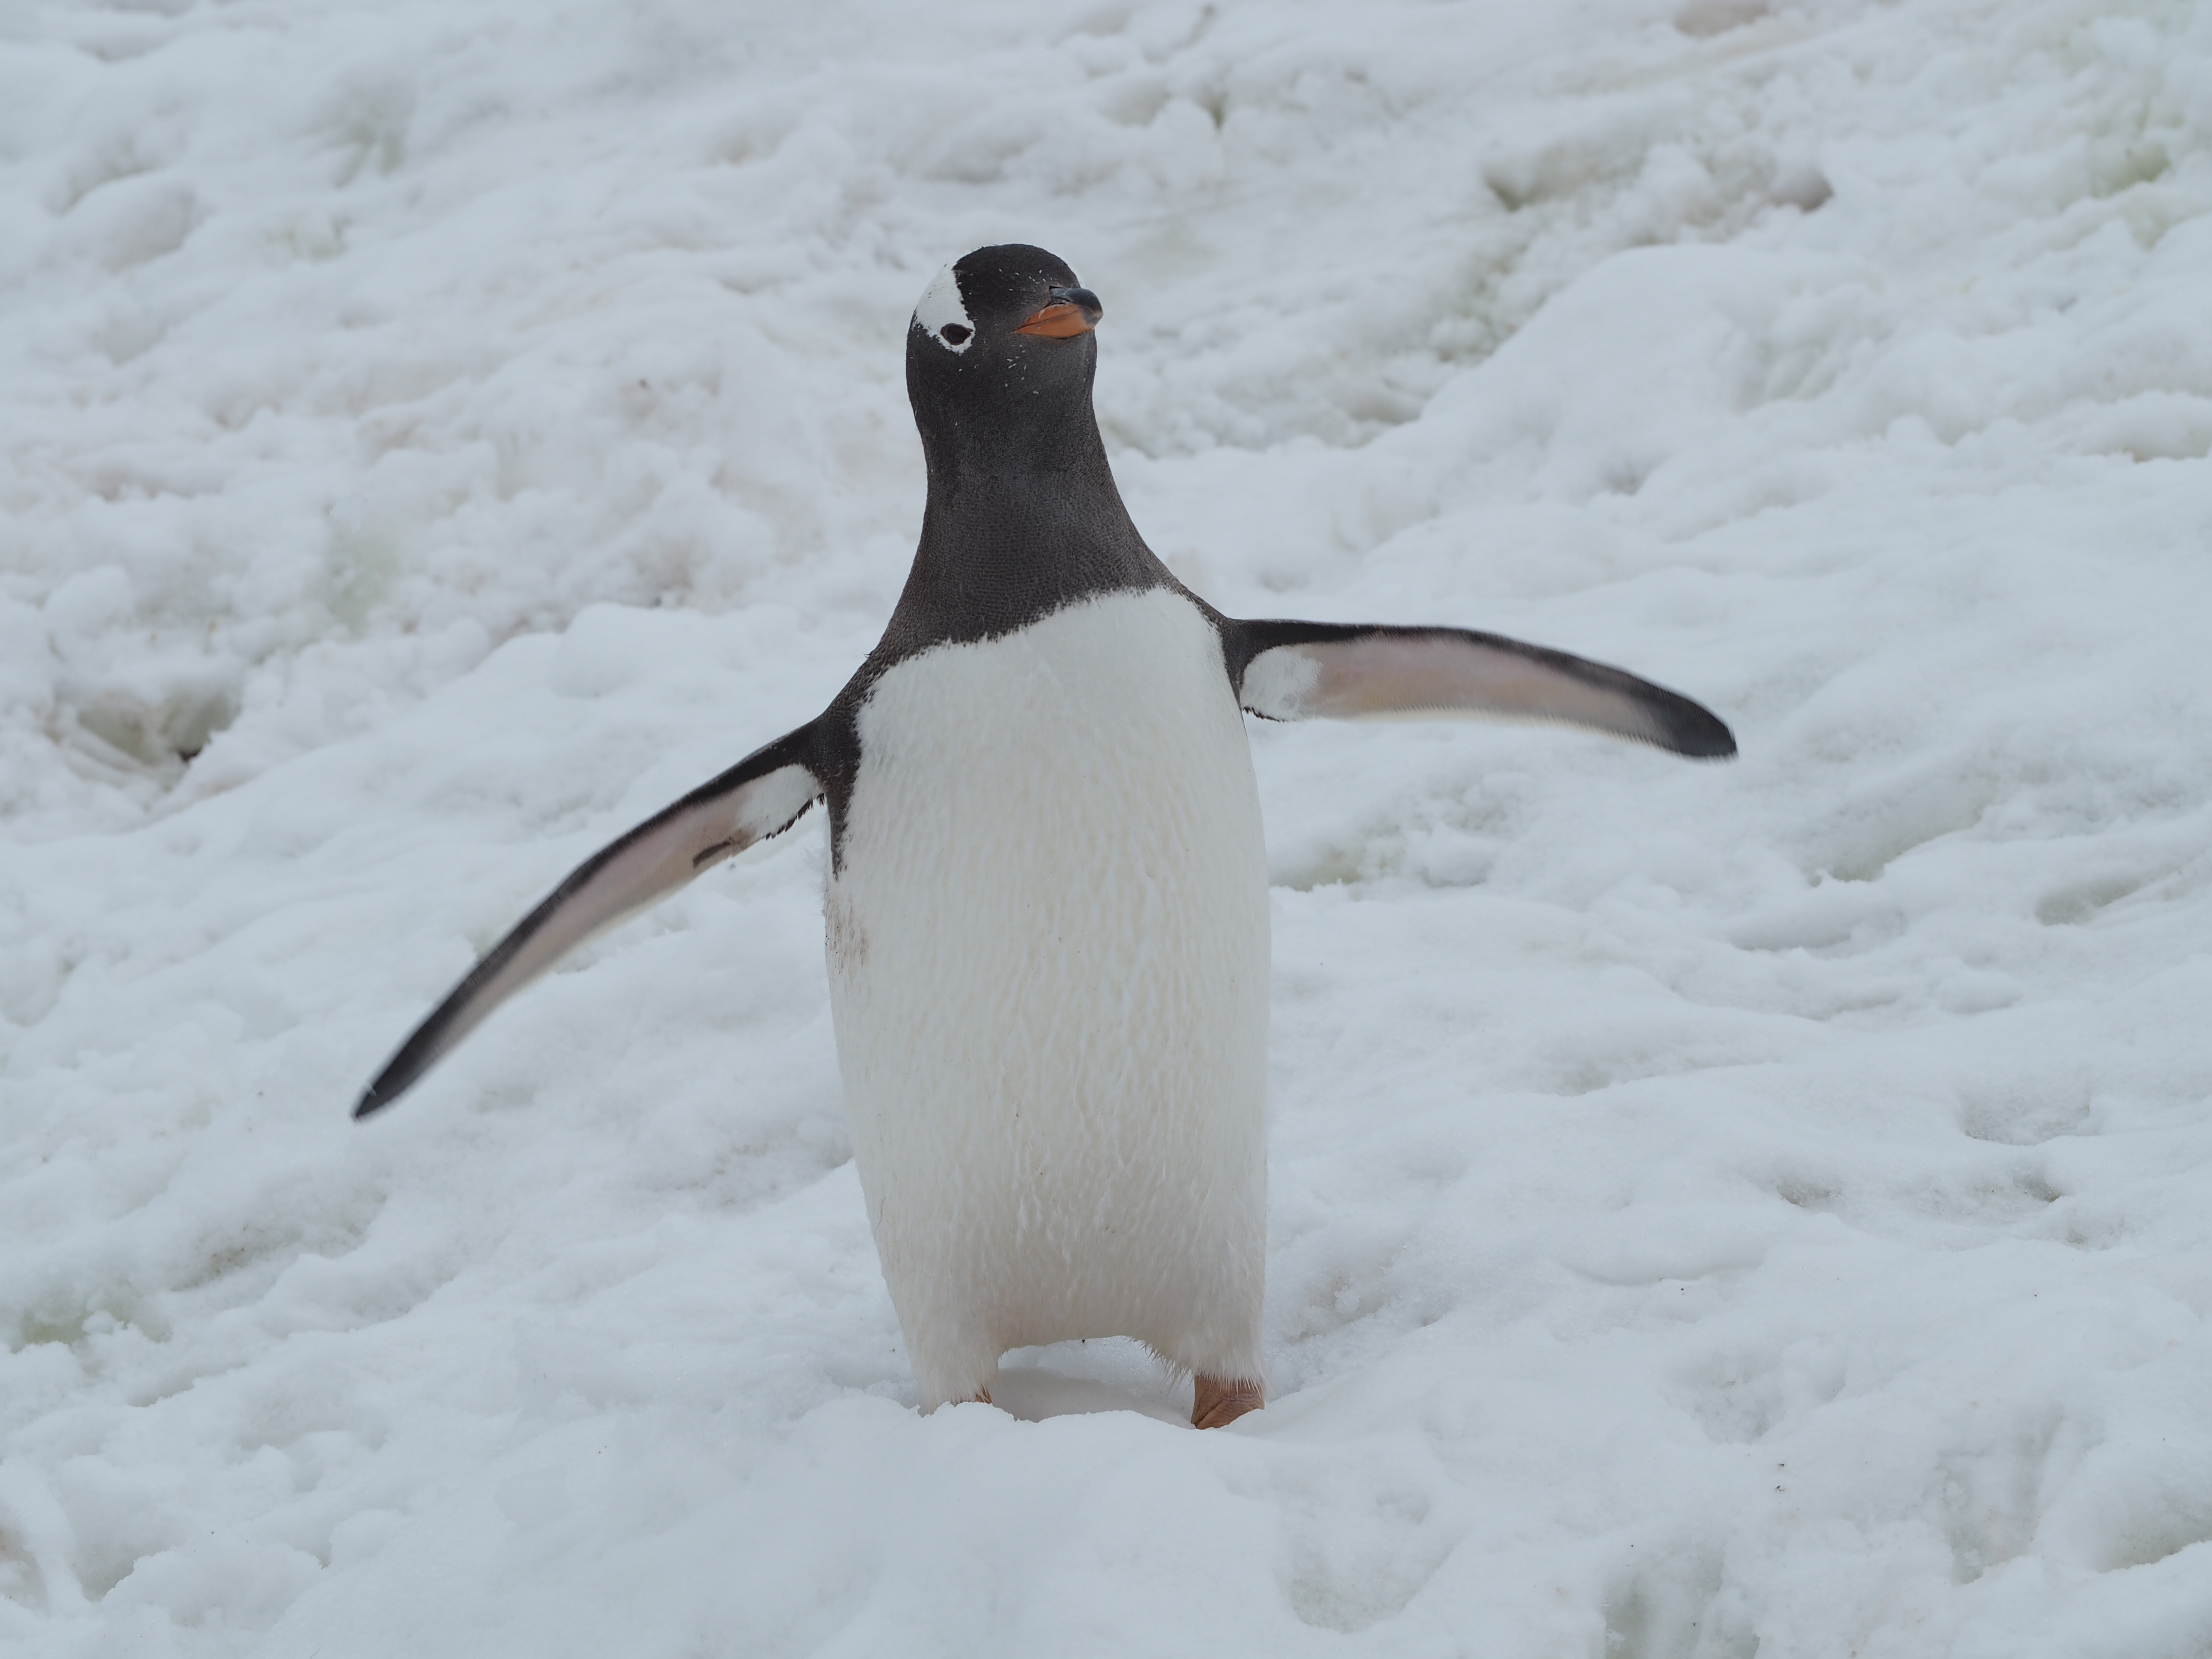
1048,968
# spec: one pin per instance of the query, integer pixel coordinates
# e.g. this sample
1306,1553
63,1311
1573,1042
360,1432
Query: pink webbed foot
1215,1400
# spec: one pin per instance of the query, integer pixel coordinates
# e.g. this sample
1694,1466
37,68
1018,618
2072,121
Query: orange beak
1071,310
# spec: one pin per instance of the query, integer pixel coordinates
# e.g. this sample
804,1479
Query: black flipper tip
391,1083
1706,736
1691,730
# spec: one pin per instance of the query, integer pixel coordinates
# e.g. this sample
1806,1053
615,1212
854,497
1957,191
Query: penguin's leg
952,1365
1219,1348
1215,1339
960,1394
1216,1400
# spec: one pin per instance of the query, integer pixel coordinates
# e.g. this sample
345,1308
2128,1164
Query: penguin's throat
1013,455
997,554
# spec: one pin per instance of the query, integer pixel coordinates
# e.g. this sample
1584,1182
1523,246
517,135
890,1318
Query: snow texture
1715,1211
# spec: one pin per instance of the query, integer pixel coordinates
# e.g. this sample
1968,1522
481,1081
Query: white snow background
1717,1210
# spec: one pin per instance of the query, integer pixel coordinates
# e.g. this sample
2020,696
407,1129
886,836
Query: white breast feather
1048,962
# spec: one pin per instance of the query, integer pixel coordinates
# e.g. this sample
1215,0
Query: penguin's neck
1023,519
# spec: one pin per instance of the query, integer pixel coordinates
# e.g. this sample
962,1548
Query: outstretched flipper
1297,671
761,795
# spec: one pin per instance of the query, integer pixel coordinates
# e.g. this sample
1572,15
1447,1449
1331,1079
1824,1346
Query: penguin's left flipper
1297,671
761,795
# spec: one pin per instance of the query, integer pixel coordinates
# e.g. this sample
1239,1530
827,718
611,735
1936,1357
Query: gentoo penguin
1047,904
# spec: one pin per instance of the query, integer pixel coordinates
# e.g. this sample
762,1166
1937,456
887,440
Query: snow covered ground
1717,1210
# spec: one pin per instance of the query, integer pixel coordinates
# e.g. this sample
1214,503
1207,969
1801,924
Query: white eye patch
943,315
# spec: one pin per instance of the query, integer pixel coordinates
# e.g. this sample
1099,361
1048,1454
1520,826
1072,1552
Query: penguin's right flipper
1296,671
761,795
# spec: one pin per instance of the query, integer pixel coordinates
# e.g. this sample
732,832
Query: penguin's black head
1001,342
997,297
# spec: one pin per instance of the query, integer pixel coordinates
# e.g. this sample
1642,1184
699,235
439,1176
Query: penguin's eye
955,333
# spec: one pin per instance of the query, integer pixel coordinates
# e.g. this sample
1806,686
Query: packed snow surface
1716,1210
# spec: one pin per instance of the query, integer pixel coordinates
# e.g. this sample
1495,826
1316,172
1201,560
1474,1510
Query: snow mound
1715,1211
